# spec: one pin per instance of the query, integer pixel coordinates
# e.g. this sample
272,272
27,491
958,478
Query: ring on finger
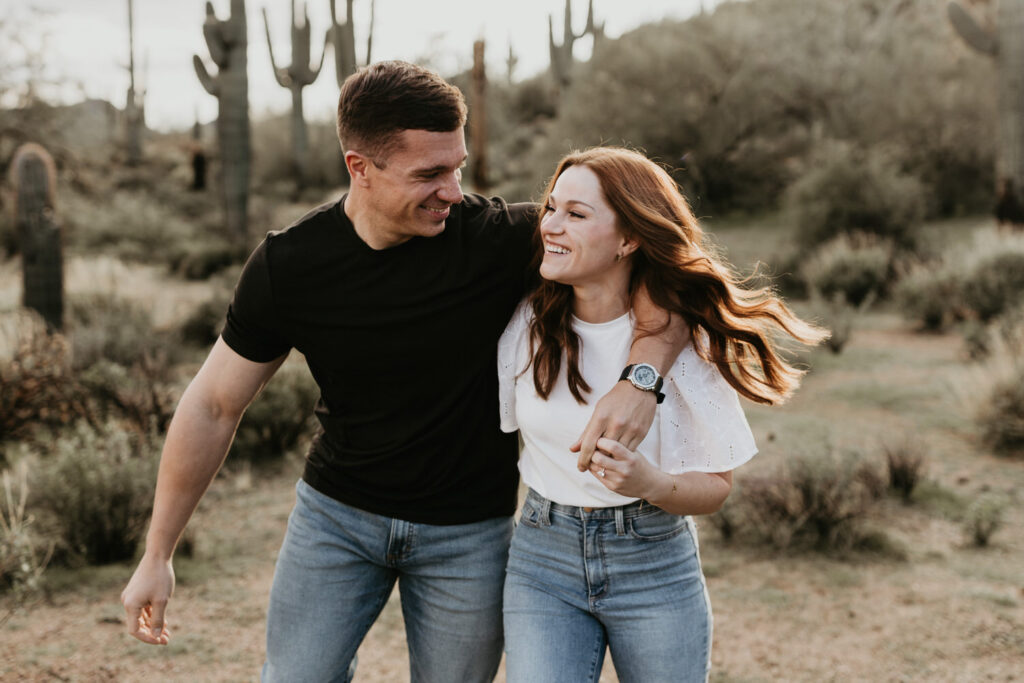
600,472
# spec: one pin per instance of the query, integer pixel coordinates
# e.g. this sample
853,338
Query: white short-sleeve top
700,427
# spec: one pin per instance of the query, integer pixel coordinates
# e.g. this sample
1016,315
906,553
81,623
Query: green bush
116,330
21,560
204,324
813,502
131,225
856,267
1001,416
981,282
905,463
984,517
38,388
926,294
279,417
94,488
845,191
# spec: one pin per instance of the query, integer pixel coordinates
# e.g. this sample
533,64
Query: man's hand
145,600
624,414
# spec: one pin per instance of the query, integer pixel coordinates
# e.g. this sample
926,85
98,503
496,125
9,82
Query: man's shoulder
313,224
479,210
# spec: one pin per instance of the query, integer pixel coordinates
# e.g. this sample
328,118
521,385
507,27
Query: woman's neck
600,302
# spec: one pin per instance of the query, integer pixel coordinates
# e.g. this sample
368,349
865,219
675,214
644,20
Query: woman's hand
626,472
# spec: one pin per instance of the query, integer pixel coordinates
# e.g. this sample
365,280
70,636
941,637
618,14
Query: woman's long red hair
735,327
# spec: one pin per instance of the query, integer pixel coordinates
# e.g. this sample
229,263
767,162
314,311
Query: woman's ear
628,246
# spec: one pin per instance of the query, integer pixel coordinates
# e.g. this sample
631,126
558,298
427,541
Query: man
396,296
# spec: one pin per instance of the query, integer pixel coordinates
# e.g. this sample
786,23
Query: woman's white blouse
700,427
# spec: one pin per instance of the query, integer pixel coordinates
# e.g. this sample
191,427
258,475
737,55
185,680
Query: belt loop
620,524
545,512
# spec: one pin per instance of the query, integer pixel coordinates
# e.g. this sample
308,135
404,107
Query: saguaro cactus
343,37
561,55
227,42
296,77
134,106
34,178
1005,45
478,121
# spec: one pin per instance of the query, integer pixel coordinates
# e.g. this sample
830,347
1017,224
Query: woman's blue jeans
334,574
628,578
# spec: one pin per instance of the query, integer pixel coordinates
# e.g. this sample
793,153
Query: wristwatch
645,378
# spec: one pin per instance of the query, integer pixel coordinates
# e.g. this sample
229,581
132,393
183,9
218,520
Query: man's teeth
556,249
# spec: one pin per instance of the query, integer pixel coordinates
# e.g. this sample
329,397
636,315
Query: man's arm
197,443
625,413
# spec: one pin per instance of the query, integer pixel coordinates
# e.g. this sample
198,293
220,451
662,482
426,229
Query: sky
87,43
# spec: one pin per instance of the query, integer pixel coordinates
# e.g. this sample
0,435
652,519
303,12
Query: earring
618,257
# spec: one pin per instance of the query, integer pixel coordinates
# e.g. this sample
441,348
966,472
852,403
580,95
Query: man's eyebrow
439,168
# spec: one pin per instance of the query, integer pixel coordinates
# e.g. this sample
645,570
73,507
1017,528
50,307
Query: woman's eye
575,214
548,208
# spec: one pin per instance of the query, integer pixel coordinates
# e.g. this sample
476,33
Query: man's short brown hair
383,99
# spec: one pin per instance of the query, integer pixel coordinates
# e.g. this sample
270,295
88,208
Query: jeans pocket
530,515
655,526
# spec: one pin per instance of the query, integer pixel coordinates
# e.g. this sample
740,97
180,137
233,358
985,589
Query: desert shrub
925,294
142,393
131,225
94,488
983,518
281,414
856,267
904,461
116,330
199,259
202,327
21,559
981,282
835,315
1001,415
818,502
994,284
845,190
37,385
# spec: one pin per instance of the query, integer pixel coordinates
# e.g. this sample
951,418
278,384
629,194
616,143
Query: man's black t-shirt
402,342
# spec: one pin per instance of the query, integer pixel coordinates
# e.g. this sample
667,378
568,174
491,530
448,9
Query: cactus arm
968,29
214,38
369,38
280,75
323,54
209,83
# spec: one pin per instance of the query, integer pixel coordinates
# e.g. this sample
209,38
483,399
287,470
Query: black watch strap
657,385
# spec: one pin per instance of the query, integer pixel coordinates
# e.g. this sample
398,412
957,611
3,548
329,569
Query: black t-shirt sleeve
253,329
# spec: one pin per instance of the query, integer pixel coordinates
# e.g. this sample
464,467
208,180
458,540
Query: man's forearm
669,337
197,443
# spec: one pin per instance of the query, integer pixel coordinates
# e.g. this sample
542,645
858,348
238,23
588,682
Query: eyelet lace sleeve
703,428
512,348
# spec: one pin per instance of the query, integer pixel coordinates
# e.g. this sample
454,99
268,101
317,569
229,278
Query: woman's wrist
662,490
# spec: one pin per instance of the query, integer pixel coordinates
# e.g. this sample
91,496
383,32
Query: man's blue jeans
625,578
334,574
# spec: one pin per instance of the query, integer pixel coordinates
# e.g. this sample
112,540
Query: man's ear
357,166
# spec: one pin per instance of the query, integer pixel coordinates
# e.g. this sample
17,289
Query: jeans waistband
619,511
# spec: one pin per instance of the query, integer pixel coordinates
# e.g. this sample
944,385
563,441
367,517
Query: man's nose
451,190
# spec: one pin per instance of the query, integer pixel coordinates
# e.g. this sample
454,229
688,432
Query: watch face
645,375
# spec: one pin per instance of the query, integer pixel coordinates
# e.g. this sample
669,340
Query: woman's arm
625,472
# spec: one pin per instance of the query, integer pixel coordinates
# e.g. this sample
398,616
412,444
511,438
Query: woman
606,554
